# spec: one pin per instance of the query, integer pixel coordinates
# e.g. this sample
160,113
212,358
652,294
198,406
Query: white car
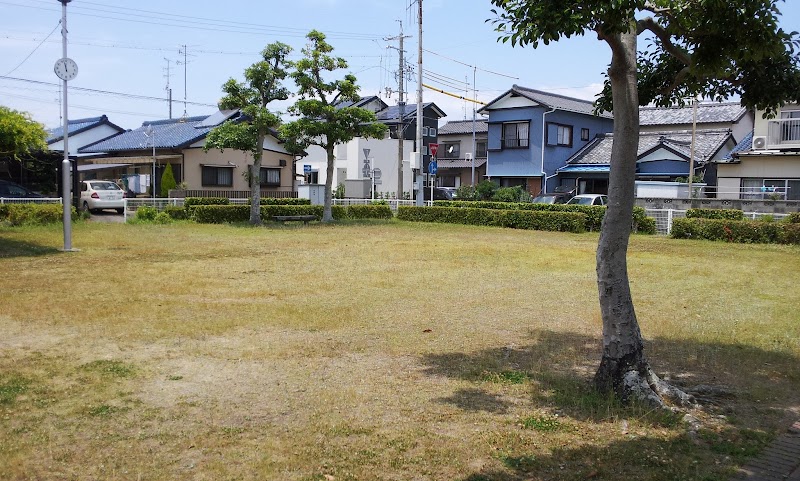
589,199
97,195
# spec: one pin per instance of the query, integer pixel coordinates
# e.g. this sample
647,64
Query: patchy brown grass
385,351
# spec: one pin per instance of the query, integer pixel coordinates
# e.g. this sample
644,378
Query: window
584,134
480,147
424,131
217,176
450,150
770,189
515,135
559,134
270,176
431,132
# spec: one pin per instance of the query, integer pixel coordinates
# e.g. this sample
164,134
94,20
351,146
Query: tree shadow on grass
477,400
14,248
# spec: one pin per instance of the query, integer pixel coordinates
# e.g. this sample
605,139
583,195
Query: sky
127,47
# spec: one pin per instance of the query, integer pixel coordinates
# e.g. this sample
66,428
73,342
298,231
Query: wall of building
85,138
195,158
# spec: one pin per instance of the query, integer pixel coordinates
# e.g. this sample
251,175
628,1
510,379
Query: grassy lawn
387,351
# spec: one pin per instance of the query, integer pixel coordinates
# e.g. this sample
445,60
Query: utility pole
401,103
184,50
168,88
66,69
420,177
474,114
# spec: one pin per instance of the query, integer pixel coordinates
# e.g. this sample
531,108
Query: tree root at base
647,387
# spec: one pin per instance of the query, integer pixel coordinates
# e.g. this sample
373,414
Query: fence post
669,221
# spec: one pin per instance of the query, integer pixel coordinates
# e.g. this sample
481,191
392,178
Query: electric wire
34,50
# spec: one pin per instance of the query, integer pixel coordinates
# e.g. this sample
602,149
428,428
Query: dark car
555,198
10,190
440,193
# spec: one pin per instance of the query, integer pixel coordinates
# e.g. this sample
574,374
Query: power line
34,50
470,66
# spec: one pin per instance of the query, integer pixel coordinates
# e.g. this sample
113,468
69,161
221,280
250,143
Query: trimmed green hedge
512,218
594,213
793,218
192,201
33,214
177,213
739,231
220,214
285,201
722,214
369,212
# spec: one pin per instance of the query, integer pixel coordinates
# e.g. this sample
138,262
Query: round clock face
66,69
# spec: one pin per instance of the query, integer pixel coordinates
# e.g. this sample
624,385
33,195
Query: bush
793,218
33,214
221,214
515,219
741,231
646,225
594,213
724,214
176,213
193,201
510,194
485,190
285,201
162,218
167,181
380,211
465,192
146,213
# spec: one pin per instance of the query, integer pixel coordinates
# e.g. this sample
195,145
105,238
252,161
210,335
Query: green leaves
19,135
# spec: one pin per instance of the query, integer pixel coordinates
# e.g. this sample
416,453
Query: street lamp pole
66,174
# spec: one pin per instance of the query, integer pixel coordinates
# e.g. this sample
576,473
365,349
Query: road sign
366,153
306,168
433,167
376,174
433,148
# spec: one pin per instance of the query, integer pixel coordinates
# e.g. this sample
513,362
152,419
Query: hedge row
722,214
749,232
192,201
219,214
285,201
33,214
515,219
594,213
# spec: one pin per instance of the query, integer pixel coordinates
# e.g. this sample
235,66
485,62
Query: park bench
291,218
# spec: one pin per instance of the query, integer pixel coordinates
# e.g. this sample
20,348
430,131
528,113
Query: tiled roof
459,163
706,114
171,133
455,127
77,125
745,145
392,114
359,103
553,101
707,144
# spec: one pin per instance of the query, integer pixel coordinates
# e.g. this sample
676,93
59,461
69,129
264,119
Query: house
532,133
179,143
662,156
710,116
82,132
766,163
353,168
460,161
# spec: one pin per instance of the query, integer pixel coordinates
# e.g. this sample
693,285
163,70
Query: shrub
221,214
509,194
793,218
167,181
380,211
192,201
162,218
725,214
33,214
176,213
594,213
646,225
735,231
285,201
146,213
485,190
515,219
465,192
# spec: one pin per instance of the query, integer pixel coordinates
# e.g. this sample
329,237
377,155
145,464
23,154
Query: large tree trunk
624,368
255,182
327,212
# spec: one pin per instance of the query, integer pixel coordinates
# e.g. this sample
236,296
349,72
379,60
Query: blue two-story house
533,133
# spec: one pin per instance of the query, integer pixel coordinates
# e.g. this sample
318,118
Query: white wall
84,138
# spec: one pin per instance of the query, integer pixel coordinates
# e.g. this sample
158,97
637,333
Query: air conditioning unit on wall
760,142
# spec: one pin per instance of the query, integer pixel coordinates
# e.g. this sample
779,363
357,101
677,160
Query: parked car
440,193
15,191
97,195
589,199
556,198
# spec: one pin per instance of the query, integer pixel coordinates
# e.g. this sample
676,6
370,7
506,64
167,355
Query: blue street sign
306,168
433,167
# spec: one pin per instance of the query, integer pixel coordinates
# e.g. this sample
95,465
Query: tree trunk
624,369
327,212
255,182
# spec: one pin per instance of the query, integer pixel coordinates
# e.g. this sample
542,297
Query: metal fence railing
30,200
132,204
665,217
393,203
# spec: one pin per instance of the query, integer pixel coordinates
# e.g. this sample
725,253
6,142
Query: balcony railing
784,133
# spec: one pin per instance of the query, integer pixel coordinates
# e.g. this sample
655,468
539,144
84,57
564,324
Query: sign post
433,167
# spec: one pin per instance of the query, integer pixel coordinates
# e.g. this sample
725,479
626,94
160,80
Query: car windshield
104,186
544,199
581,200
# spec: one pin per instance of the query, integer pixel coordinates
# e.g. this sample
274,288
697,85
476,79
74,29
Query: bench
290,218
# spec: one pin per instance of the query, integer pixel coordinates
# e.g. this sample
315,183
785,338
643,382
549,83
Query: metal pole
400,127
420,186
66,180
474,113
691,155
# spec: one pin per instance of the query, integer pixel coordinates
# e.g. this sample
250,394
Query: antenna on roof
184,50
168,88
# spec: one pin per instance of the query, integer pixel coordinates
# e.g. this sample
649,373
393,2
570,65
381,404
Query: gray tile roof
459,163
455,127
552,101
707,144
78,125
392,114
727,112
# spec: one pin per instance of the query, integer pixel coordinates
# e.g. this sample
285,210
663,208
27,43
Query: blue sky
122,46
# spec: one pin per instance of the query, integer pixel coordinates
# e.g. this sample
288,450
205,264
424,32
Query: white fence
30,200
132,204
665,217
393,203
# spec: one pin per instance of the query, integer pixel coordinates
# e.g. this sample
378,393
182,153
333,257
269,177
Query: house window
450,150
584,134
270,176
424,131
515,135
431,132
558,134
480,147
217,176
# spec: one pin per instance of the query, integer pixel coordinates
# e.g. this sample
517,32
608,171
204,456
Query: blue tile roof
392,113
78,125
585,168
169,134
743,146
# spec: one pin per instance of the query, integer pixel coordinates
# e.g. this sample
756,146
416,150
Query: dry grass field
377,351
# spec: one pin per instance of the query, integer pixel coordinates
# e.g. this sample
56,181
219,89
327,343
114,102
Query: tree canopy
325,115
19,134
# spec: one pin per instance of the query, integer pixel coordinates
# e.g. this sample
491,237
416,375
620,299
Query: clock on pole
66,68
